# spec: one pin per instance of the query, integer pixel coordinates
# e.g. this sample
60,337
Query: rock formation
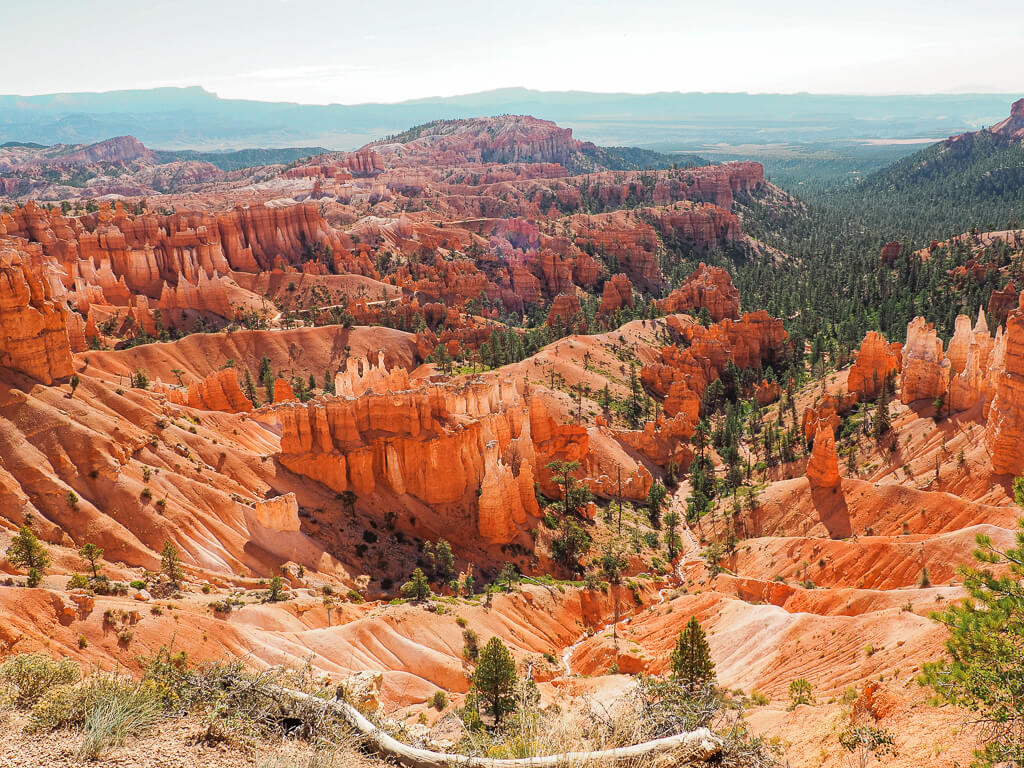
877,360
283,391
1001,302
1004,432
925,372
823,466
890,252
1013,126
218,392
618,293
360,376
565,311
439,444
709,287
33,329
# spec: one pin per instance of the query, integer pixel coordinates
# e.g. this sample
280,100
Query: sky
324,51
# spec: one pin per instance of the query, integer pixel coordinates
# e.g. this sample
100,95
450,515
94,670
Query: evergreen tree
495,678
417,588
26,551
655,499
672,540
170,563
880,423
691,659
985,669
92,555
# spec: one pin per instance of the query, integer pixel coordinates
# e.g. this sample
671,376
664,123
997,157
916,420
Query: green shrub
137,584
439,700
472,647
78,581
25,678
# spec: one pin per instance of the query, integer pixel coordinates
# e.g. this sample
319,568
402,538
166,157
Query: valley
359,412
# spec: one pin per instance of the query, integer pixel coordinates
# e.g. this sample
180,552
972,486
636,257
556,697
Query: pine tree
691,659
92,555
671,537
985,666
495,678
26,551
880,424
417,588
170,563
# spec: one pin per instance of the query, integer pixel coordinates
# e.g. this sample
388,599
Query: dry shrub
343,753
26,678
654,709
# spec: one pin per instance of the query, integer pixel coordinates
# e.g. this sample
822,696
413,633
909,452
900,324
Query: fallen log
695,746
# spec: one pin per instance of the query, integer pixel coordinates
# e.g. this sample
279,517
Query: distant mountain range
193,118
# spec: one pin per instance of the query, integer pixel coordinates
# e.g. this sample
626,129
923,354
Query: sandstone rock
83,600
439,444
877,360
219,392
283,391
1013,126
768,392
33,329
1001,302
823,466
565,311
618,293
956,352
360,376
1004,431
142,596
362,691
280,513
890,252
709,287
925,371
974,382
826,412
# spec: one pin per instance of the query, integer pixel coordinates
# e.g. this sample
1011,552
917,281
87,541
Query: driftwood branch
696,746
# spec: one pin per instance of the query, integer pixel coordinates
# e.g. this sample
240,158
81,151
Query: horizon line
525,89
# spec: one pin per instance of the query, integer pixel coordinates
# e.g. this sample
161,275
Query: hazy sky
323,51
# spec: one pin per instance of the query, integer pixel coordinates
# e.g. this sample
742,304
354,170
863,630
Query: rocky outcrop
505,139
683,371
925,372
618,293
823,466
360,377
33,329
1013,126
767,392
827,412
283,392
163,255
565,311
890,252
956,352
279,514
709,287
1001,302
877,361
1004,431
460,449
218,392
